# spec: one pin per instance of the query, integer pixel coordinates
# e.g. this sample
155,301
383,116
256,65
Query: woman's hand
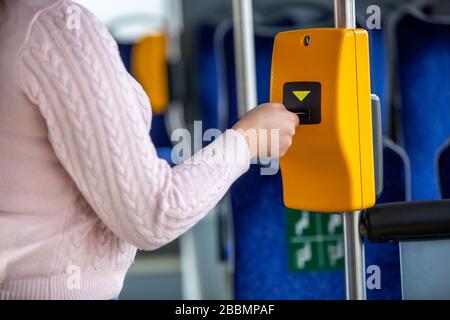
261,125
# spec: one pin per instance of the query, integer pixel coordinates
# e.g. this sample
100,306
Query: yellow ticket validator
323,75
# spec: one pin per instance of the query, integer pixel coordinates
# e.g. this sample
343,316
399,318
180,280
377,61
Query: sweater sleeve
98,119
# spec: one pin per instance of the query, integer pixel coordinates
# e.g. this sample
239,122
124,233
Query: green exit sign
315,241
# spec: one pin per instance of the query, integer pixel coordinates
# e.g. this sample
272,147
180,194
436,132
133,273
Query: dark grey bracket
377,134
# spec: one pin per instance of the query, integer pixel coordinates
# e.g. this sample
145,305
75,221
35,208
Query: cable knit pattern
117,194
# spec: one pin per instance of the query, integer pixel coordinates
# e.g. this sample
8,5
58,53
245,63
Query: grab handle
407,221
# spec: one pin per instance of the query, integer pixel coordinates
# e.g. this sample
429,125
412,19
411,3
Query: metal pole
354,257
355,281
344,14
244,47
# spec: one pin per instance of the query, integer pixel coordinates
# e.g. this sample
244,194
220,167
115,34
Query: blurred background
250,246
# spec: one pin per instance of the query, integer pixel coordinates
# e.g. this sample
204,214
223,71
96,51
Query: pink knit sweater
81,186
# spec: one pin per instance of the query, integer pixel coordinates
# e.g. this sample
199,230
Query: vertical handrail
355,281
344,14
244,49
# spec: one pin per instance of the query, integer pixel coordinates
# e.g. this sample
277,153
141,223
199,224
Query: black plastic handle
407,221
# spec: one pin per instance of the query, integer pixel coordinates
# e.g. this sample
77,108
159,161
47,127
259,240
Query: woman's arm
94,114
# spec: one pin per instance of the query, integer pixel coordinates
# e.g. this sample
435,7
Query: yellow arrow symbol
301,95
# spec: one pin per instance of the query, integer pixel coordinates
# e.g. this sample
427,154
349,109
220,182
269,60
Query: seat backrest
212,114
423,49
267,264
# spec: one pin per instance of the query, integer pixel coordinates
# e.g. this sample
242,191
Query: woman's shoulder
32,8
55,30
22,16
57,21
26,13
37,5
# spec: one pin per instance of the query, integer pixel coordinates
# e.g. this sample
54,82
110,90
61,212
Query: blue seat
423,48
261,249
424,55
212,116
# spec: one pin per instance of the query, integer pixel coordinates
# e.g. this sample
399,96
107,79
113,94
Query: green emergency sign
315,241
